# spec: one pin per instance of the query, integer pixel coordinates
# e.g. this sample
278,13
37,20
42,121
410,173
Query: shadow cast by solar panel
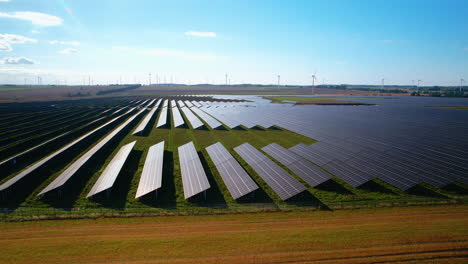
151,124
422,190
66,196
306,199
166,197
240,127
333,186
457,188
214,197
275,128
117,195
223,127
203,128
257,127
374,186
20,191
257,196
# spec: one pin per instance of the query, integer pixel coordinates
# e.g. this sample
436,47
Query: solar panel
194,178
349,174
162,117
180,104
151,177
147,118
213,123
193,119
165,103
177,117
308,154
110,173
75,166
278,179
301,167
188,103
38,164
173,103
234,176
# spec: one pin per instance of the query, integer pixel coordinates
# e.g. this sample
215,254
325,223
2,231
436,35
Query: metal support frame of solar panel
300,166
282,183
194,179
211,121
151,177
234,176
192,119
41,162
147,118
177,117
75,166
110,173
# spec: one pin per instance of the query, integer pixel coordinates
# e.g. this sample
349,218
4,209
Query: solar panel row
194,178
192,119
307,171
110,173
147,118
177,117
151,177
278,179
234,176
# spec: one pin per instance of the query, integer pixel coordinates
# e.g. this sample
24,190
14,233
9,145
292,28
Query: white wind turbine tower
461,83
313,82
279,79
419,81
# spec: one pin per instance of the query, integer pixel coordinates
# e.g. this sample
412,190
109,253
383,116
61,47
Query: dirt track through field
436,234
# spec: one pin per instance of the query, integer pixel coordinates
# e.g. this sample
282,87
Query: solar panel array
75,166
163,116
110,173
234,176
38,164
151,177
177,117
213,123
278,179
194,178
307,171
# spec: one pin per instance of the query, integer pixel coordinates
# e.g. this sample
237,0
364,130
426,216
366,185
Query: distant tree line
118,90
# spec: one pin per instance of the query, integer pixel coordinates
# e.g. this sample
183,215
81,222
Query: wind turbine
419,81
313,82
149,80
461,83
279,79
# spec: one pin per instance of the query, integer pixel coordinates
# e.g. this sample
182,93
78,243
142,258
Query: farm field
435,234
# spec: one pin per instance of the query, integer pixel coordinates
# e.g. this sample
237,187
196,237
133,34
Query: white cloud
178,54
7,39
18,60
68,51
5,46
35,31
201,34
4,0
73,43
35,17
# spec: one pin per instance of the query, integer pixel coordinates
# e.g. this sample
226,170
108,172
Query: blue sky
354,42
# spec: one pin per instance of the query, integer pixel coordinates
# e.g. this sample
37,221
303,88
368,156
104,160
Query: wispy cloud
18,60
7,39
201,34
4,0
72,43
68,51
35,17
35,31
121,48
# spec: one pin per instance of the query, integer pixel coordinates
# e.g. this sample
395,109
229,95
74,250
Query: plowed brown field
437,234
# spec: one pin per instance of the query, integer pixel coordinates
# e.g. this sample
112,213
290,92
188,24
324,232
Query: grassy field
436,234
